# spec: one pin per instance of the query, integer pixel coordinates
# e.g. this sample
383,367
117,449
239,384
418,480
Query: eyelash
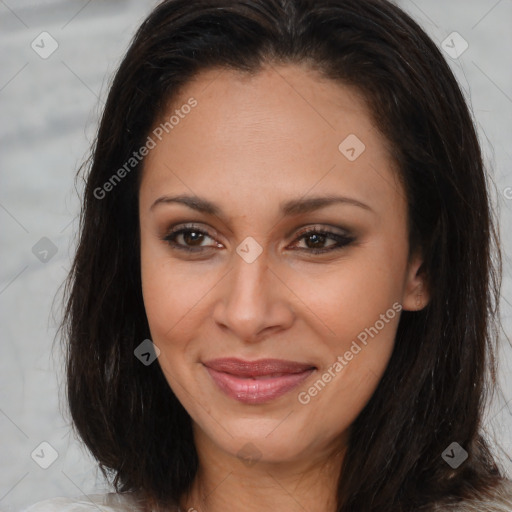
341,240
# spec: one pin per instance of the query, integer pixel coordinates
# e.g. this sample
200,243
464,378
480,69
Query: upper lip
257,368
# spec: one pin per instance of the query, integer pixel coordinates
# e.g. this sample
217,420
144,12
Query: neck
226,483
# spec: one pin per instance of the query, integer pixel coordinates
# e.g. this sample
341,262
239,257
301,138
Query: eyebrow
288,208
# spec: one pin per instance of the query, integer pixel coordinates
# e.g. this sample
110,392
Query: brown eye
315,241
192,237
189,239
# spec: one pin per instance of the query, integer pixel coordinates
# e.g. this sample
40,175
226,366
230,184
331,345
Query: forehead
282,131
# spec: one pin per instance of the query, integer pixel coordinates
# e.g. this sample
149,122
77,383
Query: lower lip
257,391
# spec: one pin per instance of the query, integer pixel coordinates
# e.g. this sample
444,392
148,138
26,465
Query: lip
257,382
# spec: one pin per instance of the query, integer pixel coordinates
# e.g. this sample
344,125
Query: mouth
257,382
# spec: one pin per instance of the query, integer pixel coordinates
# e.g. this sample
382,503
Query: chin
269,440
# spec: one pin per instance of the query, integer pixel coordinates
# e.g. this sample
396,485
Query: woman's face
258,163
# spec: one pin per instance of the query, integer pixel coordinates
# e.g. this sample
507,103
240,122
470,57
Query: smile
259,381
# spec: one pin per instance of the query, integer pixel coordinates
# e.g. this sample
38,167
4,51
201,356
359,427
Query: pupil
317,240
192,237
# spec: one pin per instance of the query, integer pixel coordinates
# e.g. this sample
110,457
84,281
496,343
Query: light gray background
49,112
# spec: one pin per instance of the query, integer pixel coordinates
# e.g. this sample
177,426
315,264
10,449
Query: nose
253,302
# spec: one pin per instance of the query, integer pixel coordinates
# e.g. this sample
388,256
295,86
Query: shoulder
109,502
496,499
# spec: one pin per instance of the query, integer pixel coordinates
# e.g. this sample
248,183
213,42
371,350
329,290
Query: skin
251,143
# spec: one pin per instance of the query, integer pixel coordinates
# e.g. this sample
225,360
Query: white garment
109,502
500,501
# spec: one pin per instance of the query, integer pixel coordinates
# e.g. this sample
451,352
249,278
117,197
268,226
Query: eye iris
317,240
193,237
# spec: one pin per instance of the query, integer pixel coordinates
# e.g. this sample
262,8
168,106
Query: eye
189,238
315,240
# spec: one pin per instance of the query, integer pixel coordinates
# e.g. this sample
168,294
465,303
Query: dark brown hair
433,390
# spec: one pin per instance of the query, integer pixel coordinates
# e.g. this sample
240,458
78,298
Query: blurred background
56,60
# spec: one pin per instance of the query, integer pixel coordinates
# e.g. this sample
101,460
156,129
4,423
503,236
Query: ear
416,291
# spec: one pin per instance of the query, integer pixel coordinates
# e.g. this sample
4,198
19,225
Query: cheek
351,295
172,300
168,296
175,294
164,292
356,310
355,357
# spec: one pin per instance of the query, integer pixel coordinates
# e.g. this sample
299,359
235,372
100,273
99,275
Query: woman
283,293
